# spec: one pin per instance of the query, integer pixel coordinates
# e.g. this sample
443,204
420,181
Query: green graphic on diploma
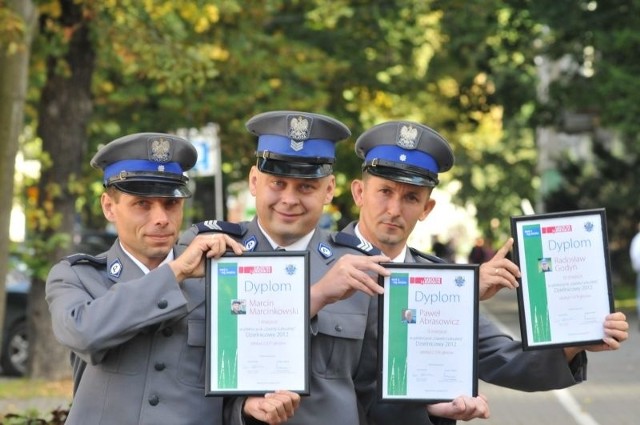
536,267
227,326
397,367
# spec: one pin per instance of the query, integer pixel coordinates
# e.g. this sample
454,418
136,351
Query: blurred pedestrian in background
634,253
481,252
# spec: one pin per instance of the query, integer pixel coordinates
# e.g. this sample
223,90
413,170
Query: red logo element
557,229
425,280
255,269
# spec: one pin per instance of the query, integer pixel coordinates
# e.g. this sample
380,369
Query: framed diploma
565,290
428,332
257,323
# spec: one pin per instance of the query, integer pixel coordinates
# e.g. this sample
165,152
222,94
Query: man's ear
253,180
107,203
357,190
428,207
331,189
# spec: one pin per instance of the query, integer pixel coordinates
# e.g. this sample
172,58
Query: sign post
207,143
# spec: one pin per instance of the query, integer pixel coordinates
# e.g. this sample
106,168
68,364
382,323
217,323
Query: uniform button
154,400
159,366
338,328
163,304
167,332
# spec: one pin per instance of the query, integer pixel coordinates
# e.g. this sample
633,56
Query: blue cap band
138,165
411,157
311,148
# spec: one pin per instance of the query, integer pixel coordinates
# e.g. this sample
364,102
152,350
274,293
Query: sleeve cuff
578,367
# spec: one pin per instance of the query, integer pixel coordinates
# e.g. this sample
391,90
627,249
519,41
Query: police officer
134,322
291,181
402,161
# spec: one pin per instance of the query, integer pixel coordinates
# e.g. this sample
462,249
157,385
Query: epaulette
351,241
219,226
74,259
431,258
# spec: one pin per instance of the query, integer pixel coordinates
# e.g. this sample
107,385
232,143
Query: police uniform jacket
339,379
137,341
501,360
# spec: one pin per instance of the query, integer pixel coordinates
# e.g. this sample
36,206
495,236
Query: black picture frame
565,289
433,356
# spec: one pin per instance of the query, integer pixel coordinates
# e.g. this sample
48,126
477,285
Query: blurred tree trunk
14,67
64,111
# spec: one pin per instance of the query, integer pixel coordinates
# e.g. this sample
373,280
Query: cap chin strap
157,189
159,176
294,169
298,159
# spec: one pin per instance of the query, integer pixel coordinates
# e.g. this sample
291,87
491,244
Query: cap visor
400,176
294,169
154,189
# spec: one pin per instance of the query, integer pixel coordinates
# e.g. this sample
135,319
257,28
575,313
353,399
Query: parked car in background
14,353
15,344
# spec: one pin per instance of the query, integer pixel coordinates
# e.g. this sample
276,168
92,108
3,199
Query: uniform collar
399,259
144,268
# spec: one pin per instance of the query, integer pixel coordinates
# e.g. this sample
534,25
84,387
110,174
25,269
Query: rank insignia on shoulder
219,226
115,269
85,258
346,239
250,243
325,250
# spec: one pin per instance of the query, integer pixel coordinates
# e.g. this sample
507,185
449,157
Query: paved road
610,396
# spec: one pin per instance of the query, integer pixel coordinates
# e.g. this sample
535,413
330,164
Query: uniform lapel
120,267
254,239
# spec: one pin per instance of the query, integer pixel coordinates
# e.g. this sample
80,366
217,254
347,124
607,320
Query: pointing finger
504,250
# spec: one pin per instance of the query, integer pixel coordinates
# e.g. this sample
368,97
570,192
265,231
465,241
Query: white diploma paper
565,290
429,326
258,325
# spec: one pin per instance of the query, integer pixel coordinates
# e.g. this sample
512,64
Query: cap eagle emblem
408,136
160,149
299,128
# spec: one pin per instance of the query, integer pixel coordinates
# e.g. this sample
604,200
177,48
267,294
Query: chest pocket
191,369
336,348
342,325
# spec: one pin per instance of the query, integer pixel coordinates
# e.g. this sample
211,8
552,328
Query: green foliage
599,39
609,182
22,389
273,55
33,417
12,30
485,75
466,68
